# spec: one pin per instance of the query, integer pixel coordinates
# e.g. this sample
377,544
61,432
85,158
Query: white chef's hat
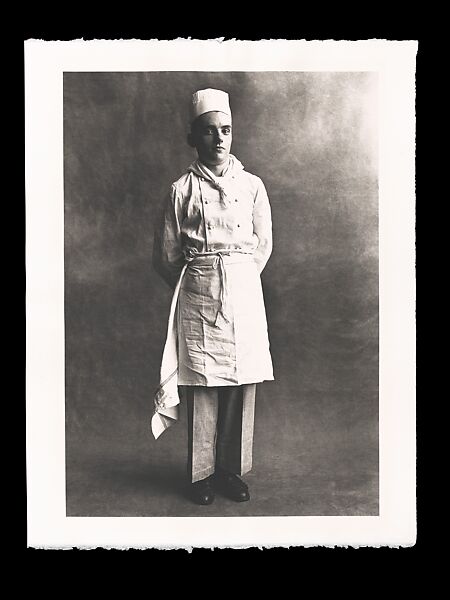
207,100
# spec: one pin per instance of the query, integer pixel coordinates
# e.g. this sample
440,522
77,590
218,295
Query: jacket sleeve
168,257
262,226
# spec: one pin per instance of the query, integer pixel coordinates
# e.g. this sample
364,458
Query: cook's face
212,137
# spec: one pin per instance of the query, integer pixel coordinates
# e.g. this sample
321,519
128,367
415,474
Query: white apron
217,332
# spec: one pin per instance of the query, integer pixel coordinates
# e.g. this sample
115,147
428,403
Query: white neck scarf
223,183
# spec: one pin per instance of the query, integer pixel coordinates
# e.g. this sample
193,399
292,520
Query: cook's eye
226,130
209,131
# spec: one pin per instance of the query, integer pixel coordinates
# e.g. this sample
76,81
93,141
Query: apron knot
218,262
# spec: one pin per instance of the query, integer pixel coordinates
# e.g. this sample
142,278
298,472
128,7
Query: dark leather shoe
231,486
202,491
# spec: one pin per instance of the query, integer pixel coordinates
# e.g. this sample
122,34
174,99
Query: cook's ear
191,140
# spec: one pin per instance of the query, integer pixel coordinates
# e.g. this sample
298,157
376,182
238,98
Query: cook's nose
219,136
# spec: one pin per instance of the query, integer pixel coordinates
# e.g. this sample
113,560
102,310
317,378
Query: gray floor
315,481
140,490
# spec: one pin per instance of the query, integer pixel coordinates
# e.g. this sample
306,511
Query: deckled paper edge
412,49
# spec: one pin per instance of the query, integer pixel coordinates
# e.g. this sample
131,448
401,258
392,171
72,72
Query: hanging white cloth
167,399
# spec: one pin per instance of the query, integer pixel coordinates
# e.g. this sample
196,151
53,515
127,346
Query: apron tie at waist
166,399
217,262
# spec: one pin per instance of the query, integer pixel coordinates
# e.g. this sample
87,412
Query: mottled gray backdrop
311,138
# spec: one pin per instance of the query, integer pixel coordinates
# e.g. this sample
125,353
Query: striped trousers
220,429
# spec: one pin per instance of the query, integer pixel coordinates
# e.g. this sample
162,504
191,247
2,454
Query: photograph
220,293
246,205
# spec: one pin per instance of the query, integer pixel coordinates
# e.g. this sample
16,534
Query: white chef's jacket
215,239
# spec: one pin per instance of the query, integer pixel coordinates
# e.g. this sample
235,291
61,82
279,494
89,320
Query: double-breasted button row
206,201
210,226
